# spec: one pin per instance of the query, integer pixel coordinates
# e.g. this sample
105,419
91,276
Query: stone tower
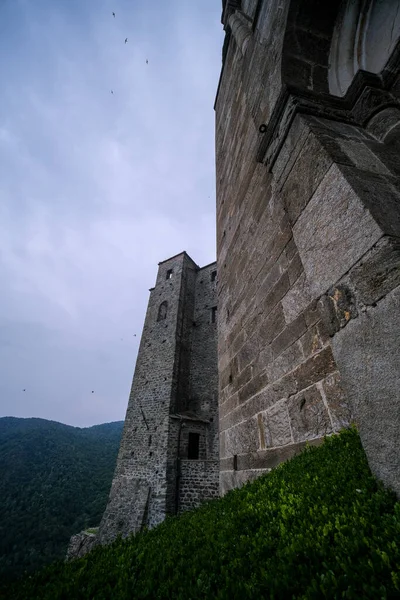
168,458
308,230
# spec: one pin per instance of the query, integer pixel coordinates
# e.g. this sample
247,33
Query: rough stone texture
80,544
367,353
174,393
308,229
199,482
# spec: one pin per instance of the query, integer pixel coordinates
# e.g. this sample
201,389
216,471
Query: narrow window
214,314
162,311
169,274
213,275
193,445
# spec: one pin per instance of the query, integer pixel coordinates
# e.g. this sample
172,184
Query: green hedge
318,526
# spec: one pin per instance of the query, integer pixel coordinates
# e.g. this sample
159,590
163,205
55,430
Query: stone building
308,243
308,230
168,458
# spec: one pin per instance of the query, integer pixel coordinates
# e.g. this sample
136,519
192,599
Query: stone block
304,178
333,232
289,335
338,403
270,300
314,369
257,383
242,438
378,272
308,415
368,357
297,299
295,268
287,361
277,426
285,387
337,307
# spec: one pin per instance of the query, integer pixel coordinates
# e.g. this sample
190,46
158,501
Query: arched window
365,35
162,311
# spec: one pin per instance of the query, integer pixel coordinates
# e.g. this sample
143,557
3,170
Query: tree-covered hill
54,482
318,526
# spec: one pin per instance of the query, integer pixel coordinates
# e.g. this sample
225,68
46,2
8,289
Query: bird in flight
134,335
24,390
126,39
113,15
147,62
92,391
112,91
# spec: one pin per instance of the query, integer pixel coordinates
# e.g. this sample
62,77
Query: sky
106,168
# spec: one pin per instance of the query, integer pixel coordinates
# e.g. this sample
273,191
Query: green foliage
54,482
318,526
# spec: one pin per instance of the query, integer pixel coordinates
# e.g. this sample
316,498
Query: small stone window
193,445
213,275
162,311
214,314
169,274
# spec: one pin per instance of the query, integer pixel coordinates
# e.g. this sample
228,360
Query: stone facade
308,242
308,230
168,458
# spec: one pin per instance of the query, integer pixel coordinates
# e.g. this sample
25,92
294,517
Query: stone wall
199,481
308,226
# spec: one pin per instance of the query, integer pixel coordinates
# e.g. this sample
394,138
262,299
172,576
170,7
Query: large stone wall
308,227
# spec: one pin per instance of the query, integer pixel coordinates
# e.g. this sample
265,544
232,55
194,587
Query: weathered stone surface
338,403
242,438
368,357
80,544
305,176
308,415
287,361
277,426
315,368
318,216
337,307
333,232
378,272
297,299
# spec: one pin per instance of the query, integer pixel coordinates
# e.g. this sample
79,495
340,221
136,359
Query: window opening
213,275
214,314
193,445
169,274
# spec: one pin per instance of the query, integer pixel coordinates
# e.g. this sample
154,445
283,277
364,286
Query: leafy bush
318,526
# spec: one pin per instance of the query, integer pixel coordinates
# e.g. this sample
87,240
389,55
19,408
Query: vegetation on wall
55,481
318,526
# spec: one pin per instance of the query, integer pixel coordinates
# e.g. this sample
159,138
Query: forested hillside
54,482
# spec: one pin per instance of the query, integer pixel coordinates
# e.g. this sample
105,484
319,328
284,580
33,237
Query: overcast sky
97,187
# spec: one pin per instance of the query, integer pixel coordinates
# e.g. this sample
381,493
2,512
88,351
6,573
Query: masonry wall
199,483
307,240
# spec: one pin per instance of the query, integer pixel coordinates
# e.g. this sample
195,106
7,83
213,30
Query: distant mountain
54,482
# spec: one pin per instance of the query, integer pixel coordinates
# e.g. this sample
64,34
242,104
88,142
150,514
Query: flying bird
112,91
113,15
126,39
147,62
24,390
92,391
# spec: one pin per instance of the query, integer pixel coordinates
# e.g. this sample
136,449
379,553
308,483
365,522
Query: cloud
96,188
